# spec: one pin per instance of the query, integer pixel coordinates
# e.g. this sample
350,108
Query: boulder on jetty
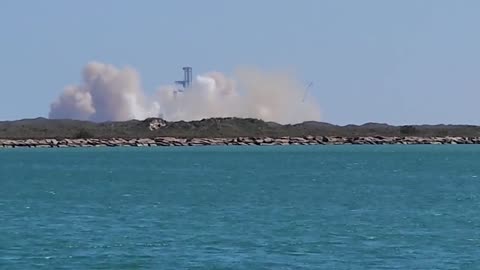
245,141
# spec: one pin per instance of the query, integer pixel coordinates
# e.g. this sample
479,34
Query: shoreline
238,141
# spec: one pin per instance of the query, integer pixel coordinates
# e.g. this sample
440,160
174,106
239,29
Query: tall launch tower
187,78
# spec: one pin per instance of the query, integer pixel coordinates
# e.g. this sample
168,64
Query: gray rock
159,143
171,141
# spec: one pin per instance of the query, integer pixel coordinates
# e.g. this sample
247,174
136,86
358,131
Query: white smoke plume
108,93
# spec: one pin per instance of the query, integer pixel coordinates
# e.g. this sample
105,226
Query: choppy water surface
320,207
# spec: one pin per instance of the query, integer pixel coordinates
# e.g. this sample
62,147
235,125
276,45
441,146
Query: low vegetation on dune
215,128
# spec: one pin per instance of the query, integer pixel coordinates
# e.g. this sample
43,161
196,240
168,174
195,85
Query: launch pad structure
187,78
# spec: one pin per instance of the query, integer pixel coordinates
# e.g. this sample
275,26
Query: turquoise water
320,207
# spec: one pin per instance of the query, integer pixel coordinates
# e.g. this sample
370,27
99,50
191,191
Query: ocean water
312,207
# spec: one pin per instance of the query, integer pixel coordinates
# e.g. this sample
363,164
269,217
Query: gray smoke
108,93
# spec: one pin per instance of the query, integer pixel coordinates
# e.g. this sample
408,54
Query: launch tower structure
187,78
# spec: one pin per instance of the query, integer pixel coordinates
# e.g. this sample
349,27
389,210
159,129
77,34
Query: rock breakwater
172,141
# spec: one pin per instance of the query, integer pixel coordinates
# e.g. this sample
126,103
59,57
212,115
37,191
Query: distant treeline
216,127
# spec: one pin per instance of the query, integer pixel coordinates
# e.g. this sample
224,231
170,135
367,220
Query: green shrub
83,134
408,130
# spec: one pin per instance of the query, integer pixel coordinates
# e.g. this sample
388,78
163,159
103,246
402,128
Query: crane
309,85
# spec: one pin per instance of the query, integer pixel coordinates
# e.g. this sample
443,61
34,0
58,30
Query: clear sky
399,62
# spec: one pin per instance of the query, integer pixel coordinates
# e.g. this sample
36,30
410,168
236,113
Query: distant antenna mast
310,84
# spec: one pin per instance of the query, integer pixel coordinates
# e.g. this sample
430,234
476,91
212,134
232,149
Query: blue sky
399,62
